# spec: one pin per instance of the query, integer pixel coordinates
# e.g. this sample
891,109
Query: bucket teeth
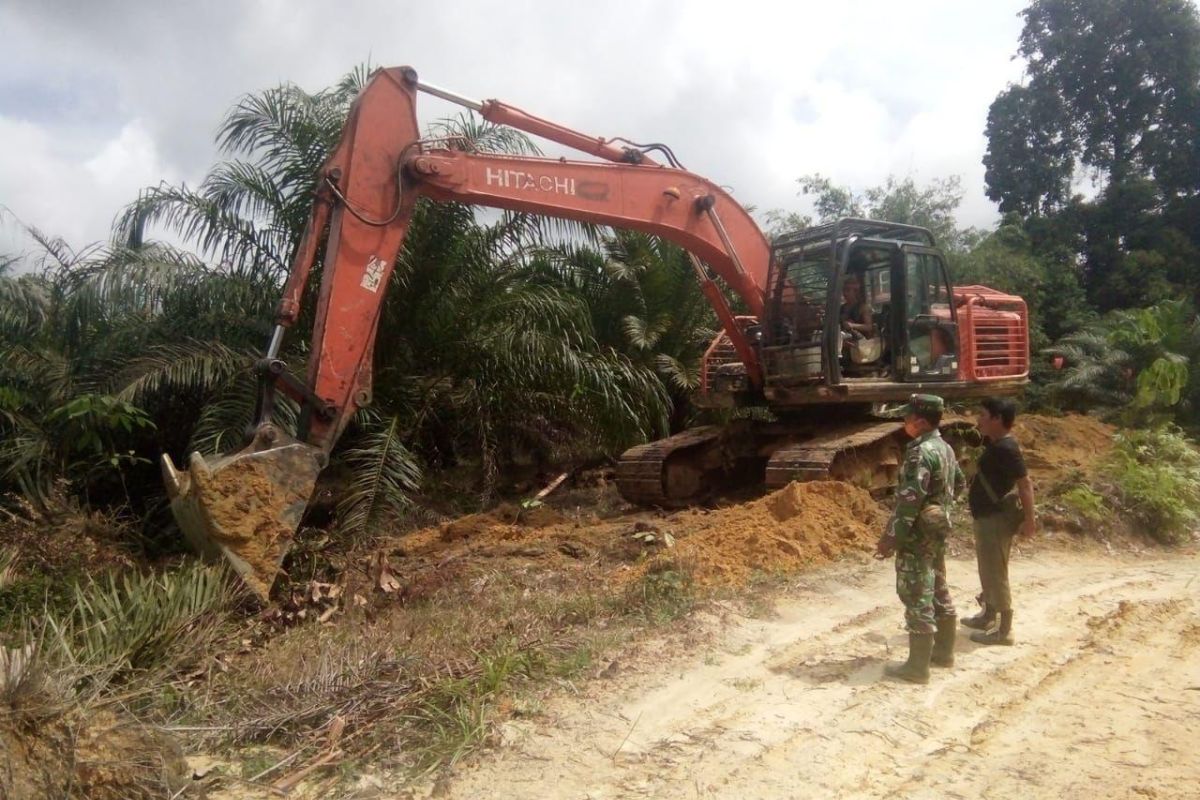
176,483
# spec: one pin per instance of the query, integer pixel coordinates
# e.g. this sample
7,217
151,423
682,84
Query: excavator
783,349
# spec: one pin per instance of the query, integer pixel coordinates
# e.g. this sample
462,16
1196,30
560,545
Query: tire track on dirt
793,706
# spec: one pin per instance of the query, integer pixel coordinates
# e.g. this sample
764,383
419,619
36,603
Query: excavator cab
900,279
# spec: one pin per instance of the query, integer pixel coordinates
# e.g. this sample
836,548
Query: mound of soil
801,524
500,521
47,750
798,525
1054,446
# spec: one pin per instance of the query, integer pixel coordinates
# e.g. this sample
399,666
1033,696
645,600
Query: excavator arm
246,507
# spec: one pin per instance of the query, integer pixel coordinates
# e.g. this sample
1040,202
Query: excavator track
669,472
691,466
867,455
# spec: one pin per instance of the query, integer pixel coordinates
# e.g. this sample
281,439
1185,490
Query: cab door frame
906,366
841,261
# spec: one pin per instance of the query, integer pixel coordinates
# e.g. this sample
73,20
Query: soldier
930,479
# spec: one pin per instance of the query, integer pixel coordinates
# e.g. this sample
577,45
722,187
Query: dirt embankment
795,527
1056,446
52,749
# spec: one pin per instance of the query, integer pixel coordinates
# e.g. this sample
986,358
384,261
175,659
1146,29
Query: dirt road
1099,699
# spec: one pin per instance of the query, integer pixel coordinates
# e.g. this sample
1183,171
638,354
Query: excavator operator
860,344
856,314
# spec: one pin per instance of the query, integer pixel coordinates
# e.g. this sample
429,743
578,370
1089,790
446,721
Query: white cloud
752,95
70,188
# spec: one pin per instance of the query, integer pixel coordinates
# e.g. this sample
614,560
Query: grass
665,592
94,658
46,554
27,592
423,684
142,622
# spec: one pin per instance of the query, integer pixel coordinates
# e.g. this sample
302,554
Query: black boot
916,669
981,621
1002,635
943,643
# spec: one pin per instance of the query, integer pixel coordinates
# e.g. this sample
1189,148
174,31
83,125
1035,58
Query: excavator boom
247,506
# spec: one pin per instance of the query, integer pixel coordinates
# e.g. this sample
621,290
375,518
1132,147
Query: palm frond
215,231
42,372
226,416
466,131
384,474
195,365
24,306
682,377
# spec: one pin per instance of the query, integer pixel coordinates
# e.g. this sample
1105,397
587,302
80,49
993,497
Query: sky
100,99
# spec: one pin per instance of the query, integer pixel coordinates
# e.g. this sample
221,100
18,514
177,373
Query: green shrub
1084,501
1156,477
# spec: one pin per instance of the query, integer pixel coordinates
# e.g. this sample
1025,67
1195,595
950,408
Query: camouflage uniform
930,479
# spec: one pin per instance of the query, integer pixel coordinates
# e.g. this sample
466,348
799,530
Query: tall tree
1029,162
1113,85
896,199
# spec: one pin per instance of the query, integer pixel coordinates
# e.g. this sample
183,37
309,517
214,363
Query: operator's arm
867,326
868,323
910,494
1029,524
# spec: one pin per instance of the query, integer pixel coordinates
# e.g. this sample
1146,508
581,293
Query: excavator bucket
245,507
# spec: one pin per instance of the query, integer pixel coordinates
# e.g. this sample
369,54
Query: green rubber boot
916,669
1002,635
943,643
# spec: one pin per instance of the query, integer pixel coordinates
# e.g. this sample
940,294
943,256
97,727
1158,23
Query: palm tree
85,335
474,361
645,302
1135,360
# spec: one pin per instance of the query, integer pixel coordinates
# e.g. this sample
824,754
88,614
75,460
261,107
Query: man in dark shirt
1001,467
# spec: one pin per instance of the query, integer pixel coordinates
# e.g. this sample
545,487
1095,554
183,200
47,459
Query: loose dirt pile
504,516
801,524
798,525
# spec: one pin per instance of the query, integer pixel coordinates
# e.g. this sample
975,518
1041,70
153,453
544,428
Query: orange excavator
839,319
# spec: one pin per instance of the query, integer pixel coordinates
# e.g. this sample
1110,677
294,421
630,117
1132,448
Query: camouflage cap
921,404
